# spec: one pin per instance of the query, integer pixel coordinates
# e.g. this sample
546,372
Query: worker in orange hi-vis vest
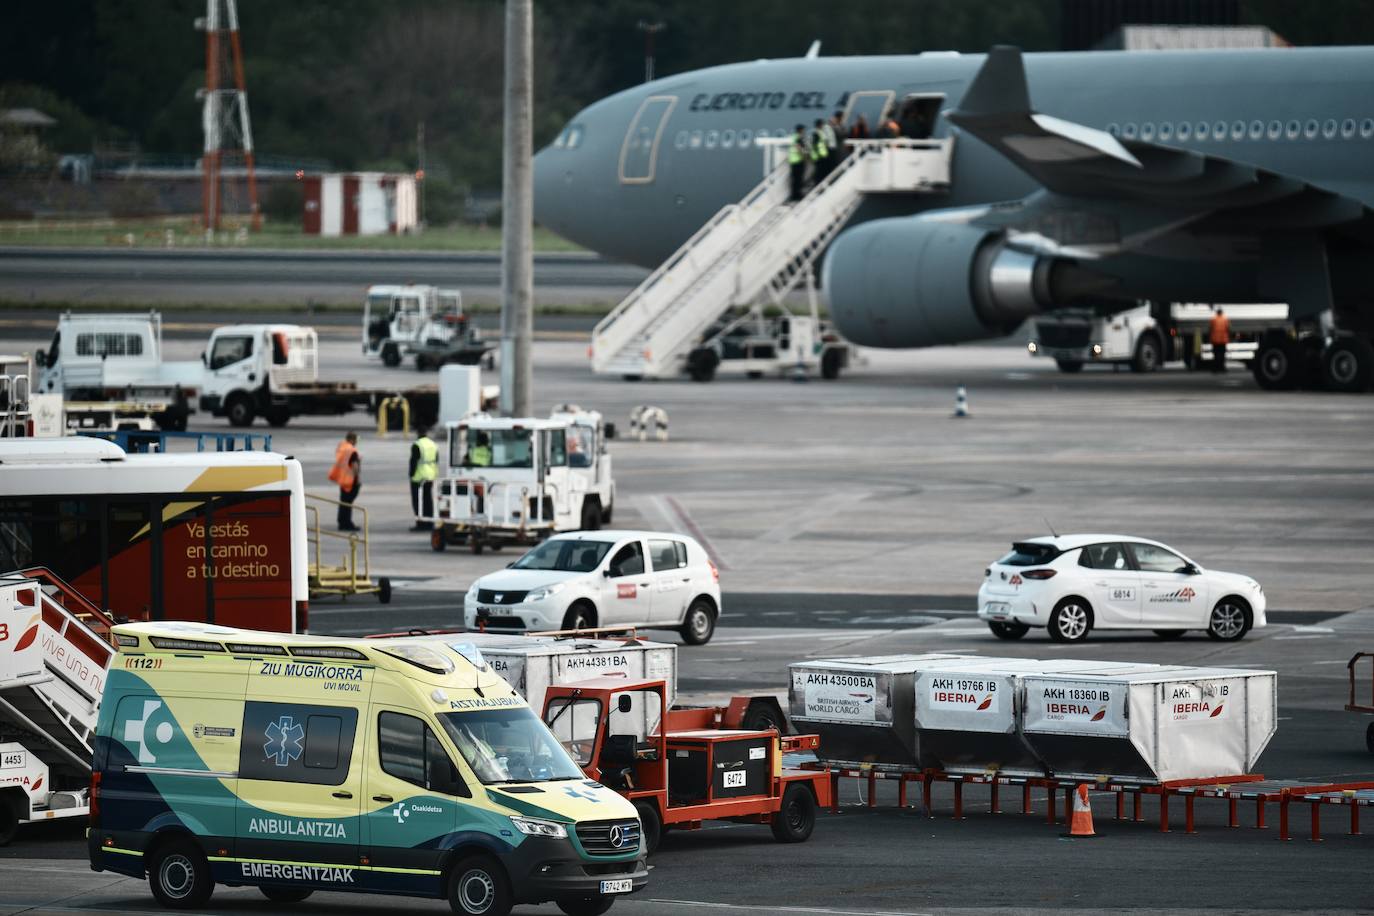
347,473
1219,335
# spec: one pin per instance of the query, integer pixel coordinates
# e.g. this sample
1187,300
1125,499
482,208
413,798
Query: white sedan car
586,579
1073,583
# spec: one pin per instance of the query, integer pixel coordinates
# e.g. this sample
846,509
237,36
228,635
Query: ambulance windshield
508,745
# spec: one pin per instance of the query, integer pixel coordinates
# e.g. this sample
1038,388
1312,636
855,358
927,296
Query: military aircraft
1190,176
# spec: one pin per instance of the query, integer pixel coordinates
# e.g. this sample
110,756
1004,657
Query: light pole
517,216
650,29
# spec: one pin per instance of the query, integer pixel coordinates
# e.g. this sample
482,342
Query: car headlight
530,826
472,593
539,594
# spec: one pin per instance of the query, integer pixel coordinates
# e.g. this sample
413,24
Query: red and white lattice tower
228,155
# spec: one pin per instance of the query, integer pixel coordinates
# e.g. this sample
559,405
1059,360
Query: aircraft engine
920,282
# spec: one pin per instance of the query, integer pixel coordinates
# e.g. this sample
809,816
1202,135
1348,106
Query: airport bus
215,537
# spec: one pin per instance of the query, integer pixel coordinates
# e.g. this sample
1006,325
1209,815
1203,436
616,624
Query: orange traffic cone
1081,822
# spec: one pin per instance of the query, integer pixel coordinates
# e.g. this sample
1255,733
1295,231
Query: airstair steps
764,244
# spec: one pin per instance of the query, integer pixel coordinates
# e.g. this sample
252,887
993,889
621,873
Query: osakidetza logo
1181,594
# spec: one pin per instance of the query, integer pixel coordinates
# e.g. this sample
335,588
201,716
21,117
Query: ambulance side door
411,802
301,763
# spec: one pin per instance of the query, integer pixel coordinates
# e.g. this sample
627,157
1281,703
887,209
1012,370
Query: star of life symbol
136,732
284,740
573,793
400,812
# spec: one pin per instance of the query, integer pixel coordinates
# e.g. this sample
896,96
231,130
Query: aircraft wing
1178,186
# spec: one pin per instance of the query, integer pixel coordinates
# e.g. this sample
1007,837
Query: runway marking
695,532
774,908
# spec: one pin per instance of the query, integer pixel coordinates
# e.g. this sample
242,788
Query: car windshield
1027,554
508,745
565,556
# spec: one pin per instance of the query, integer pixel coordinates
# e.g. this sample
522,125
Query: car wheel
478,887
650,826
1005,630
179,876
279,894
1071,620
796,817
699,624
239,410
1169,634
586,906
1230,620
581,616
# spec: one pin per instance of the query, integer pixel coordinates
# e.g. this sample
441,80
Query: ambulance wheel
1007,630
1229,620
1369,737
179,876
438,539
650,826
384,590
581,616
1069,365
239,410
586,906
699,624
1071,620
278,894
9,821
479,887
391,355
796,818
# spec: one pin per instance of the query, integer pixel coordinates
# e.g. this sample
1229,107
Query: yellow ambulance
302,763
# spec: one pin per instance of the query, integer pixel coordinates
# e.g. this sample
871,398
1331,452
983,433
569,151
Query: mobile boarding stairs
55,653
759,249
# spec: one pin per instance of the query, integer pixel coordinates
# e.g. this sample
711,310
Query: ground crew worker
479,455
424,468
1219,333
820,152
347,472
835,138
796,161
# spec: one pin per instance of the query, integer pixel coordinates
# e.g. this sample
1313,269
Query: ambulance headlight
539,594
533,827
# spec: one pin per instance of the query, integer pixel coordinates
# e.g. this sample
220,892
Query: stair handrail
637,295
100,622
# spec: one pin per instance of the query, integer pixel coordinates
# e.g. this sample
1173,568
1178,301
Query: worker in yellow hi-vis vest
424,468
797,154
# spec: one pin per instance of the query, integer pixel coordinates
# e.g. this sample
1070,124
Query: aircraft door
639,155
872,104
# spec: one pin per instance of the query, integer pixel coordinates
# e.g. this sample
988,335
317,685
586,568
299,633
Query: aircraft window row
722,139
1241,130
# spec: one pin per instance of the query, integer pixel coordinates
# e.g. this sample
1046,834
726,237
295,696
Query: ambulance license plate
617,886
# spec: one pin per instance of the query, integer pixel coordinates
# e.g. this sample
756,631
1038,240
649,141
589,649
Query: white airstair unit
762,247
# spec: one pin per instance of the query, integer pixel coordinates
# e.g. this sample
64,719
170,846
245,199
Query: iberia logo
1099,715
1182,594
29,635
985,704
1216,712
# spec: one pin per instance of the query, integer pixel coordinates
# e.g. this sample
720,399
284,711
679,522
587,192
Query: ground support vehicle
1352,706
421,321
54,657
112,365
353,573
214,536
798,346
680,767
313,763
579,580
272,371
1071,584
1150,335
517,480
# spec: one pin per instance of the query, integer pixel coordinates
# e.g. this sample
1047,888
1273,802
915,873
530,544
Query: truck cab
401,321
518,480
680,766
248,369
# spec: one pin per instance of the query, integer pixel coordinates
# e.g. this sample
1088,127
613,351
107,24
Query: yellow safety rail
345,578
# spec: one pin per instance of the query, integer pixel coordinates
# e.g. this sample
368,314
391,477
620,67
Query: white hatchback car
1072,583
588,579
